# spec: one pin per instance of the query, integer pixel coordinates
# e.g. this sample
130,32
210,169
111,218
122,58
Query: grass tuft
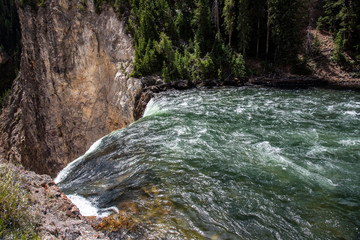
17,220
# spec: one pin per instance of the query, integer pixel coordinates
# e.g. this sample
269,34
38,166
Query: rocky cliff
74,86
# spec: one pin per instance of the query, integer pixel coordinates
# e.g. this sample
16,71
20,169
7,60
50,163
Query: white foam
184,104
94,146
316,149
272,156
63,173
151,108
350,142
87,208
310,175
239,109
352,113
330,108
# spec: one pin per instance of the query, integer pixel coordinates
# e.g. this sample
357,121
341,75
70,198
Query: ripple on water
248,163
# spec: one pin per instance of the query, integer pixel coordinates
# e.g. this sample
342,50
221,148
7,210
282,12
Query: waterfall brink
248,163
62,174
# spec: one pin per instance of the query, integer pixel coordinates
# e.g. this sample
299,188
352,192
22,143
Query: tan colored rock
74,86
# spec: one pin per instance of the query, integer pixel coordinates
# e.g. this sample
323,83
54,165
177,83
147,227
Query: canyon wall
74,85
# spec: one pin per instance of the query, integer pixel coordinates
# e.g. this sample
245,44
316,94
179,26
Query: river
245,163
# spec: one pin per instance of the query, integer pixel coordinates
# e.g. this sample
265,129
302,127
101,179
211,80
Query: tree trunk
258,39
268,30
216,16
230,33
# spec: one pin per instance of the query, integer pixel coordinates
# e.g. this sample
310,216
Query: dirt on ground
318,56
322,65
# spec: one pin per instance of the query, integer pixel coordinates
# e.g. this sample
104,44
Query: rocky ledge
57,217
294,81
154,84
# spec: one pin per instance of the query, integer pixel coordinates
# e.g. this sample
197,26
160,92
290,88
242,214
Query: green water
247,163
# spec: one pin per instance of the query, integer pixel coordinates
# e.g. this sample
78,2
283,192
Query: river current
246,163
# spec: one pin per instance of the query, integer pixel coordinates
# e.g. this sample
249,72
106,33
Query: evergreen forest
202,39
213,38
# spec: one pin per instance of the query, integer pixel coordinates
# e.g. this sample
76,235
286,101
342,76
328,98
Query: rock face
74,86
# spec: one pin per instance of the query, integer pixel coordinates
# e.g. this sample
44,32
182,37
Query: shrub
316,46
238,65
207,67
16,219
338,55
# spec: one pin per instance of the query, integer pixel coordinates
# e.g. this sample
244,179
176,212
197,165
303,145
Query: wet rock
181,84
291,82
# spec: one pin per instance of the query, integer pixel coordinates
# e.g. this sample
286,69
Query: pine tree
268,27
243,25
287,23
216,13
204,29
257,19
229,17
342,17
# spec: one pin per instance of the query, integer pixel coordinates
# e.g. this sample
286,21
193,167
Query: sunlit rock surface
74,86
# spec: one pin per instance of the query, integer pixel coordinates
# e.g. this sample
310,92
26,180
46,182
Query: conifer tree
268,27
243,25
342,17
216,13
204,29
287,24
258,19
229,17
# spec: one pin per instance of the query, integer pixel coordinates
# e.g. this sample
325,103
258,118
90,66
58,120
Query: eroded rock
74,86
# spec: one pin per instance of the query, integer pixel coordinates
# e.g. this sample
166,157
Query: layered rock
74,86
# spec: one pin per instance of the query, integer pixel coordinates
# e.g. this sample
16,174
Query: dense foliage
10,45
209,38
342,19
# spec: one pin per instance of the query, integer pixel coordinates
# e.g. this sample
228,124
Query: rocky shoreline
154,84
59,218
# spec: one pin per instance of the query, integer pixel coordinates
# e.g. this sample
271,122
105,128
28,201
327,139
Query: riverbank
154,84
58,216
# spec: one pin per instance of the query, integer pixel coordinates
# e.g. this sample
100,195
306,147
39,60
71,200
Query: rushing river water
247,163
